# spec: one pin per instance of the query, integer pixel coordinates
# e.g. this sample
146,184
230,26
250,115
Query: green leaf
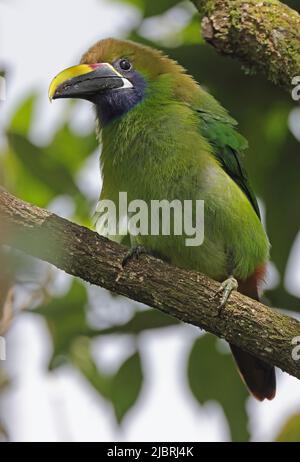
23,183
126,386
66,320
40,177
3,434
140,4
70,148
212,375
290,432
39,174
141,321
121,389
81,358
22,118
190,34
43,167
152,7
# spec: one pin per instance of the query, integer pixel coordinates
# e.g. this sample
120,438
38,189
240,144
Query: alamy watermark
158,218
2,349
296,89
2,88
296,349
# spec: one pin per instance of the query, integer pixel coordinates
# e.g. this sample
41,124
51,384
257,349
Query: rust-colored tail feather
258,376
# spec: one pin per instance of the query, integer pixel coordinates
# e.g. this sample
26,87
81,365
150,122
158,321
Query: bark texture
263,35
186,295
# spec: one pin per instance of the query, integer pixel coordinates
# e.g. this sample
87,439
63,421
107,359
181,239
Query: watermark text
296,349
156,218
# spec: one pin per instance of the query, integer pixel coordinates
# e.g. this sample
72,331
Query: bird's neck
116,103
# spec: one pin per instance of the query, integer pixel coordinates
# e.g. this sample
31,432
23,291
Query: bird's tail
258,376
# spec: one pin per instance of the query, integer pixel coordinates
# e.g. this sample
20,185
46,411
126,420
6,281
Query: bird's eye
125,65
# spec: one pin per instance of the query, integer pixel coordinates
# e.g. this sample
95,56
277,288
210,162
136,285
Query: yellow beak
86,80
68,74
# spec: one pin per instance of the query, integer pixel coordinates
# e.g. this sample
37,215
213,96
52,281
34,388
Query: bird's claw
133,253
225,289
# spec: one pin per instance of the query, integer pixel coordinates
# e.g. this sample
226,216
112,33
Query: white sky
38,39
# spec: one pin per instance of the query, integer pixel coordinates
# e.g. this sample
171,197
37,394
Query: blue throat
116,103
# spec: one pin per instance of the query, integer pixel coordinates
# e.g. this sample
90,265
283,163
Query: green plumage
228,146
165,138
167,148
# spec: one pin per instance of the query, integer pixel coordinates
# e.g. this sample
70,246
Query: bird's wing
228,146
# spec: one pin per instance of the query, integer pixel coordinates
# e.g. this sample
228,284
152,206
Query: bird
164,137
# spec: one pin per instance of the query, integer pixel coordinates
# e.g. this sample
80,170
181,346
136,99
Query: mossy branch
186,295
263,35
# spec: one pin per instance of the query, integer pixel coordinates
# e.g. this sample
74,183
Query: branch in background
263,35
186,295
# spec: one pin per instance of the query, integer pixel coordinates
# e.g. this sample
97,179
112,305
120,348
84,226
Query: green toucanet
164,138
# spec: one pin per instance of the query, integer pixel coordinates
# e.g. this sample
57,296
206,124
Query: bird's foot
133,254
225,290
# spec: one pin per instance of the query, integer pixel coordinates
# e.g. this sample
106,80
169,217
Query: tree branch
186,295
263,35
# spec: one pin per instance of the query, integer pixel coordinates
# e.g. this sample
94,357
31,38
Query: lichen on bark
263,35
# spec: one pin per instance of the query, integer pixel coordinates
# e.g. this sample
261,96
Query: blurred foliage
121,389
41,174
290,433
126,385
70,330
66,320
213,376
152,8
4,383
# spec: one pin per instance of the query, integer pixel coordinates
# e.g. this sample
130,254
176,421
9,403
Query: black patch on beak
88,85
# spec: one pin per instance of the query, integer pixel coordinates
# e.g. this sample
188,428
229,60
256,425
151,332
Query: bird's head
116,75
